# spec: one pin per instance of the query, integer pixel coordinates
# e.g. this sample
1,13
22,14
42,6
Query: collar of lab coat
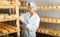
32,16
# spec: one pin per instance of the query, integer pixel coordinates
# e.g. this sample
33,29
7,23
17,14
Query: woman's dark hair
28,4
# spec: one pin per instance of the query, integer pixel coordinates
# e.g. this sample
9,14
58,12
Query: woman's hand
21,18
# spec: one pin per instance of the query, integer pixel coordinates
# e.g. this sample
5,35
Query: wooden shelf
7,29
50,20
7,6
6,17
43,7
49,31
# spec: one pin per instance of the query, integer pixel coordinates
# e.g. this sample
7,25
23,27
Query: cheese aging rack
8,29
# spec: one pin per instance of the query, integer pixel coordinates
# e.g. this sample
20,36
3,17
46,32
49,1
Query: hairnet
33,4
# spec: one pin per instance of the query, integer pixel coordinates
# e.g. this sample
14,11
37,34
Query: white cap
33,4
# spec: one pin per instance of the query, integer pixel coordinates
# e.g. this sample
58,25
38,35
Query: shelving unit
10,5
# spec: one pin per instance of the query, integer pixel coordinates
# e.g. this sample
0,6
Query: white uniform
29,30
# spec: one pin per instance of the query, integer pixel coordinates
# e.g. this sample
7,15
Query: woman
30,21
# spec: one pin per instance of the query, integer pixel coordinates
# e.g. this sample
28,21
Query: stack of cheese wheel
58,34
39,29
49,7
3,31
13,27
54,7
5,28
4,2
2,26
6,16
1,16
42,7
13,16
58,7
54,20
46,19
42,19
54,32
13,2
42,29
50,20
10,29
45,7
46,30
58,20
50,31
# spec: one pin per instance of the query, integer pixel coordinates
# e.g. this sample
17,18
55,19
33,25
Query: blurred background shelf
49,31
50,20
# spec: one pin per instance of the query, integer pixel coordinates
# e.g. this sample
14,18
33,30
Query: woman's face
30,9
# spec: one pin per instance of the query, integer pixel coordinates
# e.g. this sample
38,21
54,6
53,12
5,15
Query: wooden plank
43,7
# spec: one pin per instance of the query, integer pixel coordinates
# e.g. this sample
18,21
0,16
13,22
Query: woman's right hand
21,18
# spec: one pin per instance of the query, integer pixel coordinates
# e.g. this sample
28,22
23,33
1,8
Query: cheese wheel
1,16
47,31
10,30
50,7
42,30
58,34
10,17
39,30
54,20
58,7
42,8
13,2
54,7
58,21
50,20
42,19
45,7
4,2
6,16
3,31
13,16
46,20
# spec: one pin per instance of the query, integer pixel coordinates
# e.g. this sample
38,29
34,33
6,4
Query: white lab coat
29,30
